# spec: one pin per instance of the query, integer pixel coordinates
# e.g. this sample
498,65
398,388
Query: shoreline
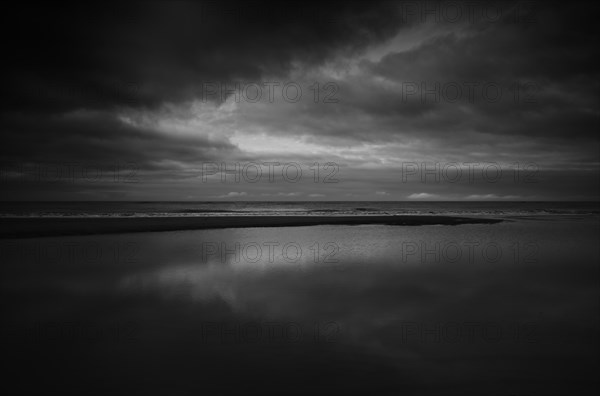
11,228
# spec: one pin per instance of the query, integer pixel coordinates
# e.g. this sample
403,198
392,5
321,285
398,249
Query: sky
300,101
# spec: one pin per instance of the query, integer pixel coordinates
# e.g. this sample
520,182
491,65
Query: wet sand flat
56,226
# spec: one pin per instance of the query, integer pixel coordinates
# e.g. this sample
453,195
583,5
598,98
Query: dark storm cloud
146,53
69,69
553,62
535,80
98,136
99,84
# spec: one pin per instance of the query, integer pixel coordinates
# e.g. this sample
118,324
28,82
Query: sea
298,208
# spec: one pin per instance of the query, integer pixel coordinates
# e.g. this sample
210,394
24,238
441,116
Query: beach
55,226
218,305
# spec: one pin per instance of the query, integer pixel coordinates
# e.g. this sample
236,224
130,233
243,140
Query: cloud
233,194
128,83
282,194
146,53
421,196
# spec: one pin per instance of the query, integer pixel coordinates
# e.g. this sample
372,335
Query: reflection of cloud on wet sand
375,308
411,313
387,310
